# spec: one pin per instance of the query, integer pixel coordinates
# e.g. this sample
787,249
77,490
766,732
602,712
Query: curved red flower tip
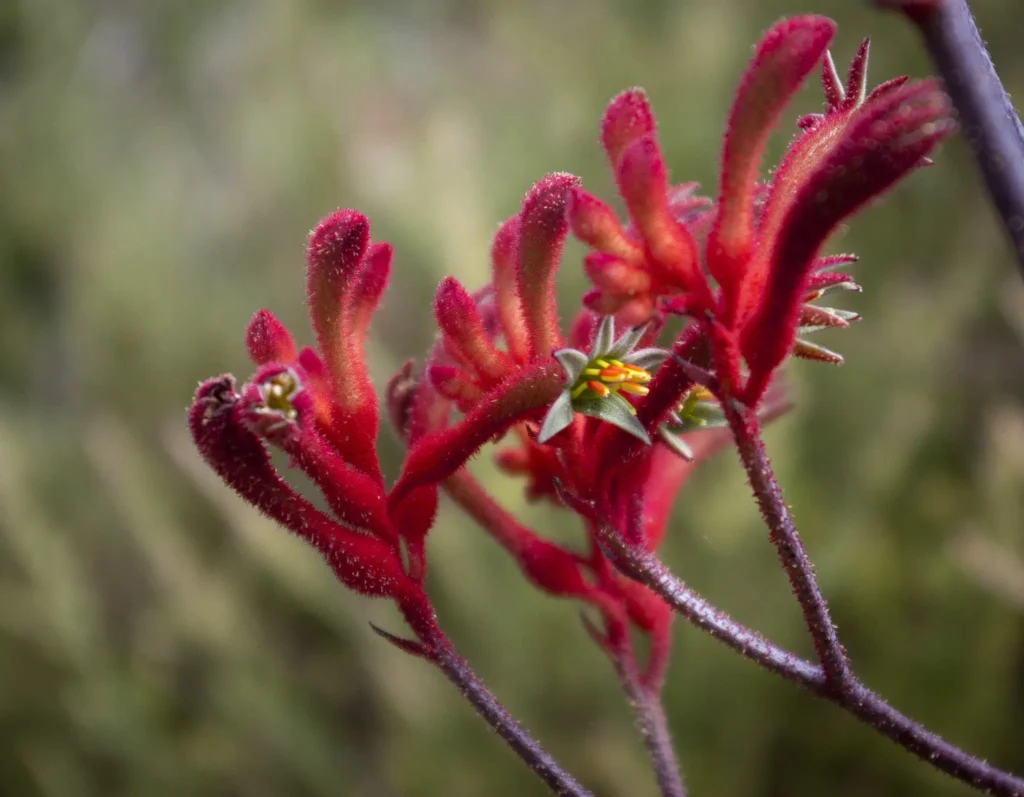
371,282
464,336
268,340
278,407
333,257
437,455
455,385
363,563
509,304
345,277
642,179
617,281
627,118
784,57
596,225
542,231
883,141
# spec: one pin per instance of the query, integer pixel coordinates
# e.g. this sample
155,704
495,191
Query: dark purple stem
784,536
855,698
495,714
650,719
988,121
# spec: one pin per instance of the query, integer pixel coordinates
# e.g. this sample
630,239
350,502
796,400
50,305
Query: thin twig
495,714
988,121
855,698
786,540
650,719
644,699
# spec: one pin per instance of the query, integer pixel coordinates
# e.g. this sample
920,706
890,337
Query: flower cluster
607,425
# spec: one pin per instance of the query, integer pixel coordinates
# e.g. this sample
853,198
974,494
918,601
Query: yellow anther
592,371
637,374
703,394
634,389
603,363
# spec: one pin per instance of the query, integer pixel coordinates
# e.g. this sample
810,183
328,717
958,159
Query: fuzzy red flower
748,265
602,421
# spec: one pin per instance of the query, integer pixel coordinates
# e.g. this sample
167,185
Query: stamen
599,387
635,389
278,391
703,394
613,375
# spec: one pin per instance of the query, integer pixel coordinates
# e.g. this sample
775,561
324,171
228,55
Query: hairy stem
495,715
784,536
855,698
650,719
988,121
643,697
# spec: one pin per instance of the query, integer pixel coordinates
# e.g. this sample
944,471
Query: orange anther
613,374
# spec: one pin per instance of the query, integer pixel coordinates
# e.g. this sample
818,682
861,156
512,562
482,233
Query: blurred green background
161,163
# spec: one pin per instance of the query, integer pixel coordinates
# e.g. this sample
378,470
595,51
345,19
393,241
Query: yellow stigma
601,378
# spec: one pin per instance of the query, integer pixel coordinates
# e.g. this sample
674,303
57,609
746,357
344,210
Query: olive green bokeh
161,162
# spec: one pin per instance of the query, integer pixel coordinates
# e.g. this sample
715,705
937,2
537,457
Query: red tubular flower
343,288
278,407
438,455
227,443
465,339
542,231
611,427
762,244
267,340
782,60
879,144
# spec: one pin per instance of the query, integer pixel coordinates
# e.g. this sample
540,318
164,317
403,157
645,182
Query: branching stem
496,715
650,719
786,539
851,695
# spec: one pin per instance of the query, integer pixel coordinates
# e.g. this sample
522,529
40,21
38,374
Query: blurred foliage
161,162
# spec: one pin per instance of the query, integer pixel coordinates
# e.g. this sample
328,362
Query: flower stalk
784,536
854,698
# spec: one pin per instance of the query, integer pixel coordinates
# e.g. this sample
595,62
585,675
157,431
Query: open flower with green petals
596,382
698,410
